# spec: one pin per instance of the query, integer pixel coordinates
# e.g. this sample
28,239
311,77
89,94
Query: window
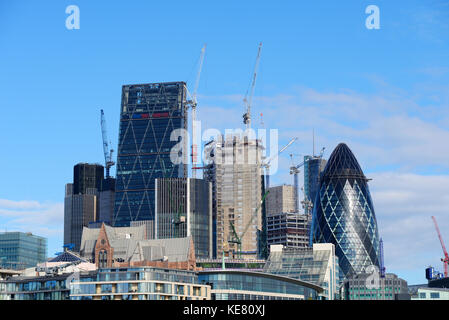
422,295
435,295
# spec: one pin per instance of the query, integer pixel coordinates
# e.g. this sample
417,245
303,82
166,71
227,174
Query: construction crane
381,259
267,164
446,256
238,239
107,152
294,170
247,100
193,104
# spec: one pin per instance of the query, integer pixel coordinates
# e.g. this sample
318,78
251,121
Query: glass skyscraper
344,214
149,114
313,166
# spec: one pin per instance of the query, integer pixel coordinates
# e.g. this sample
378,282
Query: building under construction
234,168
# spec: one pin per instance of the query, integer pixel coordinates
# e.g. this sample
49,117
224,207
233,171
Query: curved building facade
343,213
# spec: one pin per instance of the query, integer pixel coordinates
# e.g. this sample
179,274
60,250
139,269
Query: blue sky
383,92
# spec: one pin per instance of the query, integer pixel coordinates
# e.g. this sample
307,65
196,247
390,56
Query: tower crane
294,170
247,100
193,104
267,164
107,152
446,256
238,239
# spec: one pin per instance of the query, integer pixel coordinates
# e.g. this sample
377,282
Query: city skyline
382,92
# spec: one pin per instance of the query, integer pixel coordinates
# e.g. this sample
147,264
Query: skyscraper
236,175
184,209
344,213
149,114
313,166
81,202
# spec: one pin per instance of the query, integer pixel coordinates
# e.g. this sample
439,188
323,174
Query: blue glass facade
149,114
344,214
313,166
20,250
245,285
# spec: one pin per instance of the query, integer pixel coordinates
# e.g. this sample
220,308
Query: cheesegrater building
344,214
149,115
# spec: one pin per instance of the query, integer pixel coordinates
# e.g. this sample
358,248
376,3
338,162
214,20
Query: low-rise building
145,283
121,247
426,293
371,286
47,281
250,285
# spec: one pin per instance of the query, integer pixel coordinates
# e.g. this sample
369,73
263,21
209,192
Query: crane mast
446,256
266,164
193,103
107,152
248,100
238,239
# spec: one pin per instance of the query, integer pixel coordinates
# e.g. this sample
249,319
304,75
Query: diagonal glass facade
149,114
344,214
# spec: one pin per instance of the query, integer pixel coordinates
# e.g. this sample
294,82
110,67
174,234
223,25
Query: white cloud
43,219
404,204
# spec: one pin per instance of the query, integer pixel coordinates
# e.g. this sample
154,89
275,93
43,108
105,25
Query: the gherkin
343,213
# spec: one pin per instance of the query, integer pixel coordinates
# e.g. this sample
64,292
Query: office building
79,211
145,283
370,286
251,285
313,167
87,176
288,229
88,200
317,265
184,209
344,213
106,200
234,168
280,199
149,115
19,250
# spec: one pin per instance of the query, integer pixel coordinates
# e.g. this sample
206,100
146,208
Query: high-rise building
107,197
184,209
288,229
313,167
87,176
79,211
284,225
149,116
234,168
88,200
280,199
344,213
19,250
